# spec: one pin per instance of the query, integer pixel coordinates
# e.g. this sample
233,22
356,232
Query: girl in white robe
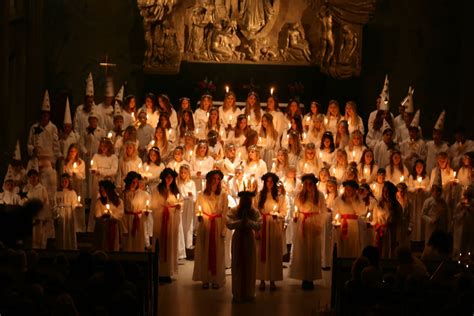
103,166
178,159
346,215
166,208
238,134
129,162
367,169
229,112
306,255
108,211
43,227
315,134
214,124
9,196
65,206
186,125
279,120
150,108
273,209
161,141
419,186
396,170
253,111
187,189
267,139
281,164
356,147
201,116
134,219
310,117
309,163
201,164
152,168
211,209
338,170
353,119
333,116
254,167
327,150
75,167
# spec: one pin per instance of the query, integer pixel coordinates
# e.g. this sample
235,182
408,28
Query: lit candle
271,90
326,121
333,169
454,174
337,219
107,208
226,89
147,117
139,166
366,171
419,179
367,217
304,136
305,166
92,163
289,125
191,154
199,211
320,155
248,118
230,119
353,155
308,119
74,166
341,190
153,142
273,165
402,178
275,213
260,140
373,186
178,196
296,211
79,199
133,116
109,134
147,205
325,196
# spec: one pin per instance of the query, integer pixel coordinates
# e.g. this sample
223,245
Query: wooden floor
185,297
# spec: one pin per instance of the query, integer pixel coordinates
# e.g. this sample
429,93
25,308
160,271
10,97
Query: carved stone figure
255,14
196,41
297,47
153,13
327,36
348,45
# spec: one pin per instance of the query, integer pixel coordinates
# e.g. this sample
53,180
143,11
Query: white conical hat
89,85
67,113
109,88
33,164
416,119
385,96
408,101
117,110
119,95
9,175
17,153
46,106
440,122
386,126
93,113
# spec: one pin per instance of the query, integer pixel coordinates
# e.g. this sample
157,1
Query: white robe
214,209
65,208
44,140
307,241
166,218
43,227
432,150
107,231
351,246
270,254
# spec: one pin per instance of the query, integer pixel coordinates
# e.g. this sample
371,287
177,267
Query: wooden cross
106,64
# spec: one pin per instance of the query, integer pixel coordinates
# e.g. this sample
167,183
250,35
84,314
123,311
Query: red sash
345,225
136,221
212,256
306,215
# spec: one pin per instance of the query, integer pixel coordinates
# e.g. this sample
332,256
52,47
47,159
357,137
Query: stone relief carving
324,33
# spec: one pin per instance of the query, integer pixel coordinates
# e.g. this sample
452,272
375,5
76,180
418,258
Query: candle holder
337,220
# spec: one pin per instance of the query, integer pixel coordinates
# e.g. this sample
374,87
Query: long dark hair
162,185
329,136
303,195
109,189
262,197
183,126
207,190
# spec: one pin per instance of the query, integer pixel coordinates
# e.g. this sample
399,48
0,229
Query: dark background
53,45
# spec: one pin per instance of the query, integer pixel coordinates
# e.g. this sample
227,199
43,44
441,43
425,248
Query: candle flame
79,198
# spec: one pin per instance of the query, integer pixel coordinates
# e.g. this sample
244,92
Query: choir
136,176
